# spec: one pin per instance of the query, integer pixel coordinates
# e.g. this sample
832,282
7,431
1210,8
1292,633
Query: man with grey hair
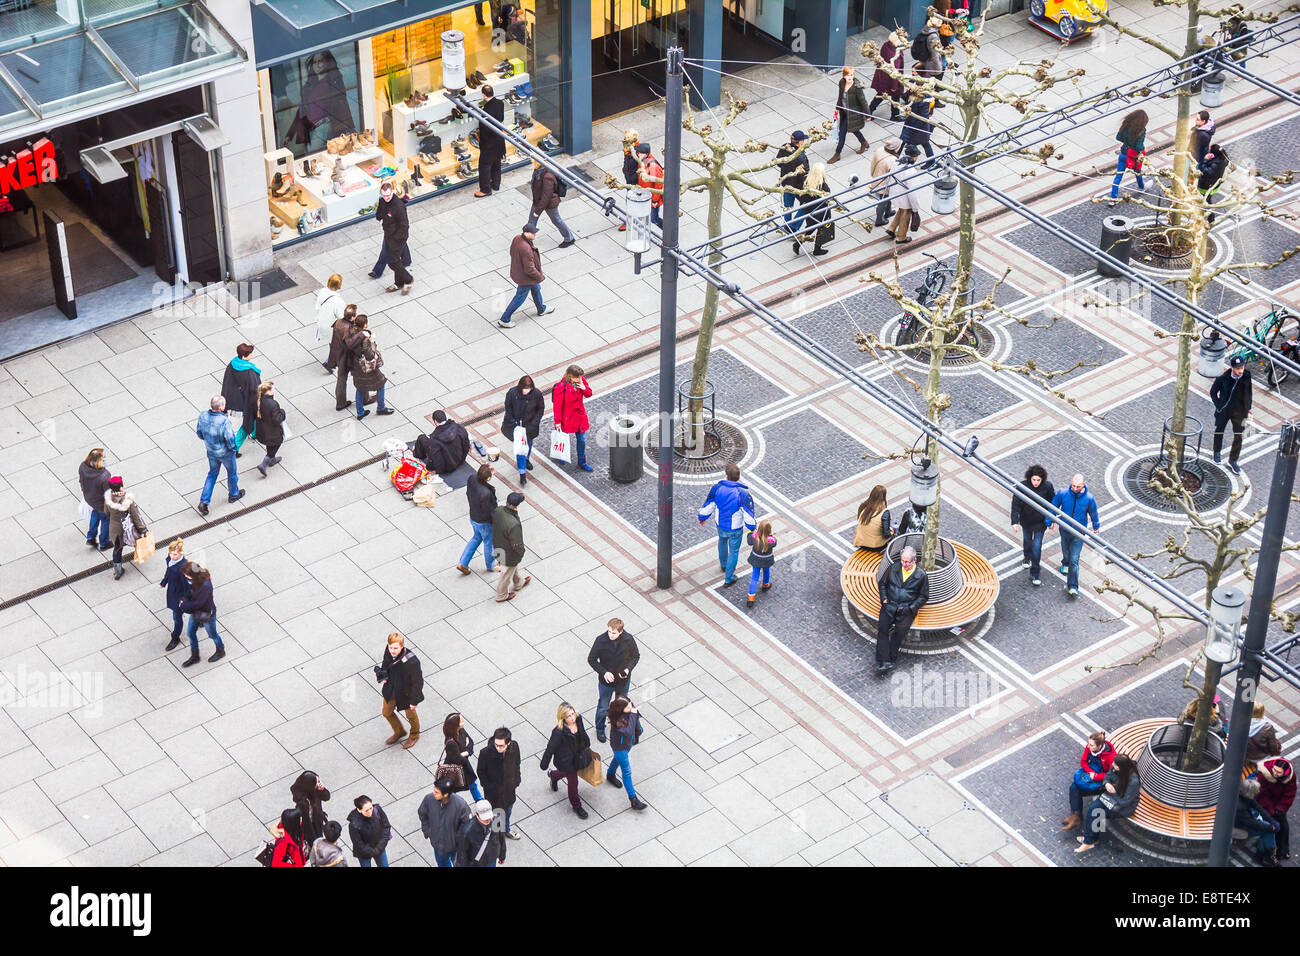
904,590
1077,502
218,436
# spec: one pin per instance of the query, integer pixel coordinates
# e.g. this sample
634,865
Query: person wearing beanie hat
1276,794
650,175
882,164
888,87
631,168
443,814
1232,398
508,532
120,507
526,273
479,842
239,389
792,164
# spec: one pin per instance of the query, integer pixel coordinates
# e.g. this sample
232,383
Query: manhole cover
979,335
917,642
1208,484
724,444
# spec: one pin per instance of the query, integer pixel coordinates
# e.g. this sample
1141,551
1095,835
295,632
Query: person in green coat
508,531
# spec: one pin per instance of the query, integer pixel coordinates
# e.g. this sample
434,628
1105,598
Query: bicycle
911,326
1278,330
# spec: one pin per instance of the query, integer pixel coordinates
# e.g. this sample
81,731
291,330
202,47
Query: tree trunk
966,211
1182,136
1187,332
704,344
932,411
1205,701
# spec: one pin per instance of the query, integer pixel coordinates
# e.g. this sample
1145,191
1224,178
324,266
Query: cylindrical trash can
625,461
1117,242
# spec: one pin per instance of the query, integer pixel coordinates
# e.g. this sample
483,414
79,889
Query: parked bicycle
912,327
1279,330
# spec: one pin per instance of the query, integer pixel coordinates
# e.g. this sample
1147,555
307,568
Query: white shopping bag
85,511
520,441
560,446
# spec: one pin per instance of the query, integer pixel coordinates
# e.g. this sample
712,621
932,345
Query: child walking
762,555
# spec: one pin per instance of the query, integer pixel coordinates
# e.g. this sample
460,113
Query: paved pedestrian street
769,737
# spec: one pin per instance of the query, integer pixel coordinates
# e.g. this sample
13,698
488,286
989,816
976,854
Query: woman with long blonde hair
570,747
268,418
817,207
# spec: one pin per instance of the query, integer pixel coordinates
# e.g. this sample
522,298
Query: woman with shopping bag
522,423
124,523
567,402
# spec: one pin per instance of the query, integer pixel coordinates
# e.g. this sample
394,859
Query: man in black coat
482,502
391,213
1231,394
491,145
613,655
903,593
499,776
402,681
794,170
479,842
445,448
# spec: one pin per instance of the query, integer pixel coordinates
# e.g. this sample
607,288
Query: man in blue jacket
733,507
218,436
1077,502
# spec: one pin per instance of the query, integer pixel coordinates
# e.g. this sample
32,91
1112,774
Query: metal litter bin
625,461
1117,242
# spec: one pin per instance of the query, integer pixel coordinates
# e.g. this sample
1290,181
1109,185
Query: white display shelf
342,208
406,143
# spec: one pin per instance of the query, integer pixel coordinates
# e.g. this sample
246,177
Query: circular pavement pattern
732,446
1209,484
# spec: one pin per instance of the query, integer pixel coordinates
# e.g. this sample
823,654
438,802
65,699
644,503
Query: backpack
370,361
561,187
920,48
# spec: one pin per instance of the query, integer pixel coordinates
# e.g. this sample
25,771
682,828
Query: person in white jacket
904,202
329,306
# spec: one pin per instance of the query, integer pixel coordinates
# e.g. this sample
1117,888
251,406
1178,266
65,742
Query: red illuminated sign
31,166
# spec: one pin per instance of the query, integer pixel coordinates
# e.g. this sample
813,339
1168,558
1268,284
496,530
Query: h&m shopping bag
560,446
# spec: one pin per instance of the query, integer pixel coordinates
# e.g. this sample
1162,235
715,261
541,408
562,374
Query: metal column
668,314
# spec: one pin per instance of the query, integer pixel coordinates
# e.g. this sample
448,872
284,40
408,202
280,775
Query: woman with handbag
268,425
202,611
289,844
367,362
1132,138
762,555
1118,798
903,198
93,477
524,408
624,734
401,683
570,748
124,522
457,749
1097,760
875,525
568,403
816,208
178,588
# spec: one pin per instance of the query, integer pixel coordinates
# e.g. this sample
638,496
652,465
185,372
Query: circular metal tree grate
1208,484
724,444
984,342
1160,247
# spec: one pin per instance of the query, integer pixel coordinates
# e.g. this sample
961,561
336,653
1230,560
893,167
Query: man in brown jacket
340,357
546,199
526,273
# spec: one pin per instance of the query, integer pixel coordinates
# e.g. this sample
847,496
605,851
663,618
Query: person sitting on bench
445,448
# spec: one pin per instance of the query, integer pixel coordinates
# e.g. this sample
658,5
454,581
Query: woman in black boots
202,611
269,417
120,506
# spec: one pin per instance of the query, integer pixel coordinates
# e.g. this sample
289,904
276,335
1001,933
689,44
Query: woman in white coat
329,307
904,203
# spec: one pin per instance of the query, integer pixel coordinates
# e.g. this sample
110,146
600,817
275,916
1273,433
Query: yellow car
1072,17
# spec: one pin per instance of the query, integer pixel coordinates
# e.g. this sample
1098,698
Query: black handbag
825,233
267,855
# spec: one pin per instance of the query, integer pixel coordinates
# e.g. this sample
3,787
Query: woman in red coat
885,86
288,848
1276,794
570,412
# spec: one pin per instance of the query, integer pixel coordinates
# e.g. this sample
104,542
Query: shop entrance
630,39
113,237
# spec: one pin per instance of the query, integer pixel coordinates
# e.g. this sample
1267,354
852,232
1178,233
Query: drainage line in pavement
614,365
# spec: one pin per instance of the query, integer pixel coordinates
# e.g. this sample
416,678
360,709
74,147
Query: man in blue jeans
733,507
792,163
218,436
613,655
482,502
1079,504
526,273
442,816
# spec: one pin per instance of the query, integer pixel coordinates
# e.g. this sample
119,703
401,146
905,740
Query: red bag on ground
409,473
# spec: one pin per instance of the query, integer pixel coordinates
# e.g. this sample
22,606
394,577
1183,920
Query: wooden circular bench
978,593
1152,814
